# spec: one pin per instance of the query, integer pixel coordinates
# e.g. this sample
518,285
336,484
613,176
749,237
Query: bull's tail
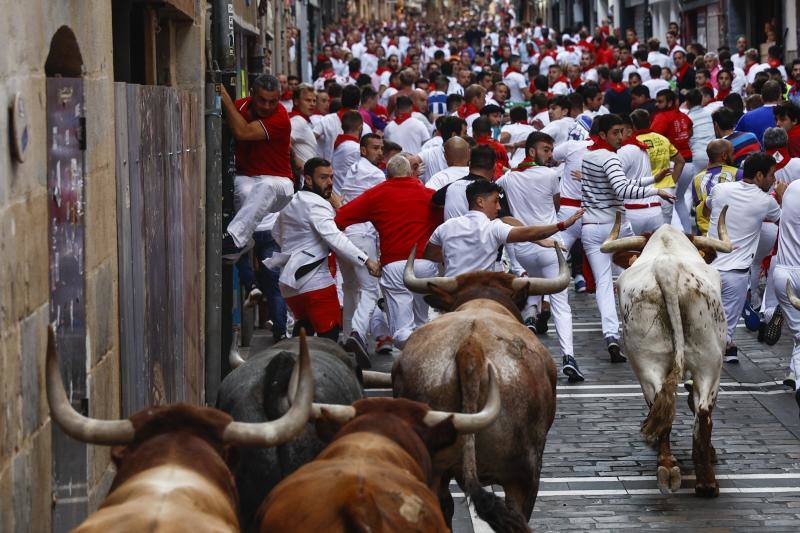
662,412
471,362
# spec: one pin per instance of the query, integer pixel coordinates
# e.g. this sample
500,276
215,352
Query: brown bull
444,364
376,473
172,471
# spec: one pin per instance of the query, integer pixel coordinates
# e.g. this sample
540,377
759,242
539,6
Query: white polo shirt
636,165
571,154
433,161
530,194
559,129
446,177
469,243
789,233
748,208
519,132
345,156
790,172
516,82
411,134
304,142
455,200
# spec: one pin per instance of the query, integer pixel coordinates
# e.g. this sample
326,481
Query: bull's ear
520,298
439,299
326,427
435,301
118,454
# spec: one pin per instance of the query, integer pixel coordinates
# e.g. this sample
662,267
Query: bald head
398,167
456,152
719,151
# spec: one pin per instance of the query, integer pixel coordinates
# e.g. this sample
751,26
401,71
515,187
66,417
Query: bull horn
234,357
723,244
422,285
73,423
472,423
614,244
290,424
546,285
793,298
376,379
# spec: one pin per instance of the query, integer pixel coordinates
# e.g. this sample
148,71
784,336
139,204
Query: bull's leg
703,453
669,474
446,500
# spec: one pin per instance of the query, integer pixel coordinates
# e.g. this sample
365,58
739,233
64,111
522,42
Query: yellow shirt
661,152
701,189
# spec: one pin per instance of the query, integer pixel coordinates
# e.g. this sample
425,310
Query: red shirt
402,212
794,141
501,153
268,157
677,127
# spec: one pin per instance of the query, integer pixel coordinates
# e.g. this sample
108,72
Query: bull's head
110,432
627,249
447,293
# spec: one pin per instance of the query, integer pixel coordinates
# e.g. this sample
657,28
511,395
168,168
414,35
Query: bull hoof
669,479
713,452
706,490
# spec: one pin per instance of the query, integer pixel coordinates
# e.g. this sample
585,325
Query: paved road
598,474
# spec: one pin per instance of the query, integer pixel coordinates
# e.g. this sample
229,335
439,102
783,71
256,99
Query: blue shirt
757,121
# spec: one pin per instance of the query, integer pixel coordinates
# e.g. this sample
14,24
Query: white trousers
268,194
769,300
782,274
683,198
543,263
593,236
734,295
360,290
645,220
572,233
406,310
766,242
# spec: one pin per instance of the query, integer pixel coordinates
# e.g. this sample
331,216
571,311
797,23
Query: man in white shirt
561,120
433,158
738,56
748,206
588,72
452,196
532,191
329,128
307,233
752,65
456,152
516,131
655,57
655,83
776,144
369,61
516,81
404,129
361,290
469,243
304,142
346,148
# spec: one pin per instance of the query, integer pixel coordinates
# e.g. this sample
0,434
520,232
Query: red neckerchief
287,95
627,62
509,70
587,69
721,95
600,144
618,87
526,163
466,110
381,70
328,74
632,140
549,53
782,157
341,112
644,64
295,113
402,117
774,63
576,84
747,68
681,72
355,75
519,121
343,138
569,49
561,78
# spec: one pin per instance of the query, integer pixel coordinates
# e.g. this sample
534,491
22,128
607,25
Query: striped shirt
744,144
604,186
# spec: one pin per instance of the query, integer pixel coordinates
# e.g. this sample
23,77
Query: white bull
673,321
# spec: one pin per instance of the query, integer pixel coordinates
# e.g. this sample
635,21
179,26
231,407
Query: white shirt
306,233
433,160
455,199
469,243
518,132
571,154
790,172
789,232
411,134
559,129
702,131
657,58
636,165
590,75
304,142
738,60
344,156
357,49
433,142
748,207
516,82
560,88
530,194
359,178
446,177
655,85
327,130
755,69
739,81
544,117
369,63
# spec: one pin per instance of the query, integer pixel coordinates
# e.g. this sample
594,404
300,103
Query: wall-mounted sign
19,128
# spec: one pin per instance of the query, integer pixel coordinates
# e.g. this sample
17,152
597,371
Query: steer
376,473
672,321
172,461
444,364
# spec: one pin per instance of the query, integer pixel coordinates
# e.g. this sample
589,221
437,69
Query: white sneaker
790,380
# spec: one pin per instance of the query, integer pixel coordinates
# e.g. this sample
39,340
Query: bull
172,461
376,473
673,321
445,363
256,391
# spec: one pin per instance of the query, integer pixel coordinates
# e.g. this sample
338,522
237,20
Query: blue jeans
266,279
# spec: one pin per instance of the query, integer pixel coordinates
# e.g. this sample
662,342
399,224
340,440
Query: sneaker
356,345
384,345
253,297
541,320
612,343
731,355
580,284
570,369
530,323
772,332
790,380
751,318
689,386
230,252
